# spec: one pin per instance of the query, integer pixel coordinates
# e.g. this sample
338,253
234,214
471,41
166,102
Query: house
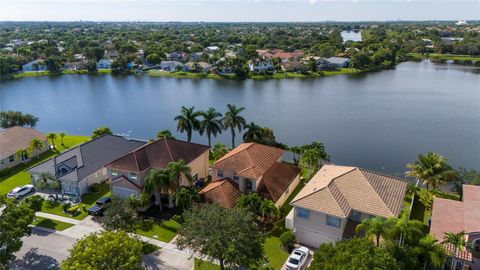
457,216
178,56
338,198
82,166
211,49
104,64
203,66
16,138
340,62
197,56
78,65
171,66
293,66
127,173
224,192
36,65
261,67
287,56
255,167
324,64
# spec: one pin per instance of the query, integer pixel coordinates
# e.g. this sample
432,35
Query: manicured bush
65,207
73,209
287,239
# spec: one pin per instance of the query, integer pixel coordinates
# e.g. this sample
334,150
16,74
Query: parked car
21,191
298,258
99,207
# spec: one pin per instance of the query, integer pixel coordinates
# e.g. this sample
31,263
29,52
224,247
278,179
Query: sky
237,10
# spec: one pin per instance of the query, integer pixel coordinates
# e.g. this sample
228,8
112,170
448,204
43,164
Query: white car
298,258
19,192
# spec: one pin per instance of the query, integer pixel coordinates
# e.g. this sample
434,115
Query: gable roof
88,157
250,160
224,192
158,154
277,179
16,138
336,190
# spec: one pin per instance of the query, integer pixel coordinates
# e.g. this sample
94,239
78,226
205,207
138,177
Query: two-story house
449,216
338,198
127,173
255,167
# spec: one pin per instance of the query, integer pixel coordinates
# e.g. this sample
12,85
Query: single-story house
293,66
171,66
324,64
78,65
177,56
17,138
338,198
449,216
36,65
104,64
197,56
203,66
261,67
340,62
82,166
127,173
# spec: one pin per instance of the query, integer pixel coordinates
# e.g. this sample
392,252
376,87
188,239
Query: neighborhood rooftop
224,192
15,138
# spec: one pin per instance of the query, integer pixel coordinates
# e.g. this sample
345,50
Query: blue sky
237,10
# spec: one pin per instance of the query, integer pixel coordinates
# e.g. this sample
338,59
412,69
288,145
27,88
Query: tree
62,136
22,154
233,120
15,118
45,179
14,224
35,202
154,58
156,182
219,150
268,209
35,147
211,124
287,239
186,197
250,202
312,156
179,170
426,198
98,132
430,253
236,240
165,134
374,227
431,169
455,239
52,137
187,121
109,250
465,177
119,215
53,64
355,253
253,133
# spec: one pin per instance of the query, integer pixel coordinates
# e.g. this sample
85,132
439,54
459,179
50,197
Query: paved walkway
57,217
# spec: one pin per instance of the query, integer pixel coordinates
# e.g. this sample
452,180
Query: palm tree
233,120
62,135
310,160
431,252
165,134
457,240
185,197
296,154
211,124
22,154
35,146
156,182
268,209
431,169
376,227
426,198
52,137
187,121
43,179
253,133
219,150
178,170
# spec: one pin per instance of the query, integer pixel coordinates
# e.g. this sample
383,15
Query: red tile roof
276,180
224,192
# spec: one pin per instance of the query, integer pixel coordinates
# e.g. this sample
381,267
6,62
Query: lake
351,36
378,121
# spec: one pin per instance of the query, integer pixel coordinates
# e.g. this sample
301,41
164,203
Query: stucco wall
18,160
288,191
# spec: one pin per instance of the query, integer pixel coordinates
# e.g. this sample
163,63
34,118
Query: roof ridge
375,191
169,150
308,195
335,199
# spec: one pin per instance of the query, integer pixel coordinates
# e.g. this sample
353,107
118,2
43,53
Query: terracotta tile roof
158,154
121,181
224,192
16,138
249,160
462,254
336,190
277,179
456,216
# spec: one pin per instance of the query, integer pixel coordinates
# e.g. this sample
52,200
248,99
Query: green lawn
51,224
188,75
18,175
444,56
274,252
148,248
164,231
205,265
27,74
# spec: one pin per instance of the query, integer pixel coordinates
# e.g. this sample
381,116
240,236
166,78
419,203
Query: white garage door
312,239
123,192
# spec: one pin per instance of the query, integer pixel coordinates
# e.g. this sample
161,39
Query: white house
340,62
171,65
36,65
104,64
261,67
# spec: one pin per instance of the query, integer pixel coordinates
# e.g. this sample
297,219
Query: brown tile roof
276,180
158,154
16,138
224,192
462,254
124,182
336,190
250,160
456,216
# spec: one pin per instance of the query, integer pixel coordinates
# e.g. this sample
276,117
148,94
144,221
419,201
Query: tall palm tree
35,146
52,137
310,160
430,251
296,154
21,154
211,123
268,209
431,169
426,198
62,136
187,121
157,182
219,150
233,120
178,170
457,240
165,134
185,197
253,133
43,180
374,227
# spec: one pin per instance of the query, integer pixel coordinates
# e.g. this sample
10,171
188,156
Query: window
2,161
476,245
355,215
133,176
235,177
220,173
113,173
248,185
333,221
11,158
302,213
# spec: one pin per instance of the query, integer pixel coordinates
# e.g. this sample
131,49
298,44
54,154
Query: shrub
73,209
94,188
52,203
65,207
4,172
287,239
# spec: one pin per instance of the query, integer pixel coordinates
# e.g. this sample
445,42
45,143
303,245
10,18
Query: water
351,35
378,121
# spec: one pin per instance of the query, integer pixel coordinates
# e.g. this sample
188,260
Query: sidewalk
59,218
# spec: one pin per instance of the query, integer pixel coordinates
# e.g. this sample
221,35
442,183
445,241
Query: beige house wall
287,192
17,161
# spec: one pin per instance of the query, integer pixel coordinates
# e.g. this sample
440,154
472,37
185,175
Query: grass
19,176
148,248
51,224
28,74
205,265
438,56
188,75
274,252
164,231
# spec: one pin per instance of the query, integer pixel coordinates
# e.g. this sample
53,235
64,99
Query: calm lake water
351,35
379,121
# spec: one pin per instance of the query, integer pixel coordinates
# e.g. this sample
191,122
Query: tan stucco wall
199,166
94,178
287,192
